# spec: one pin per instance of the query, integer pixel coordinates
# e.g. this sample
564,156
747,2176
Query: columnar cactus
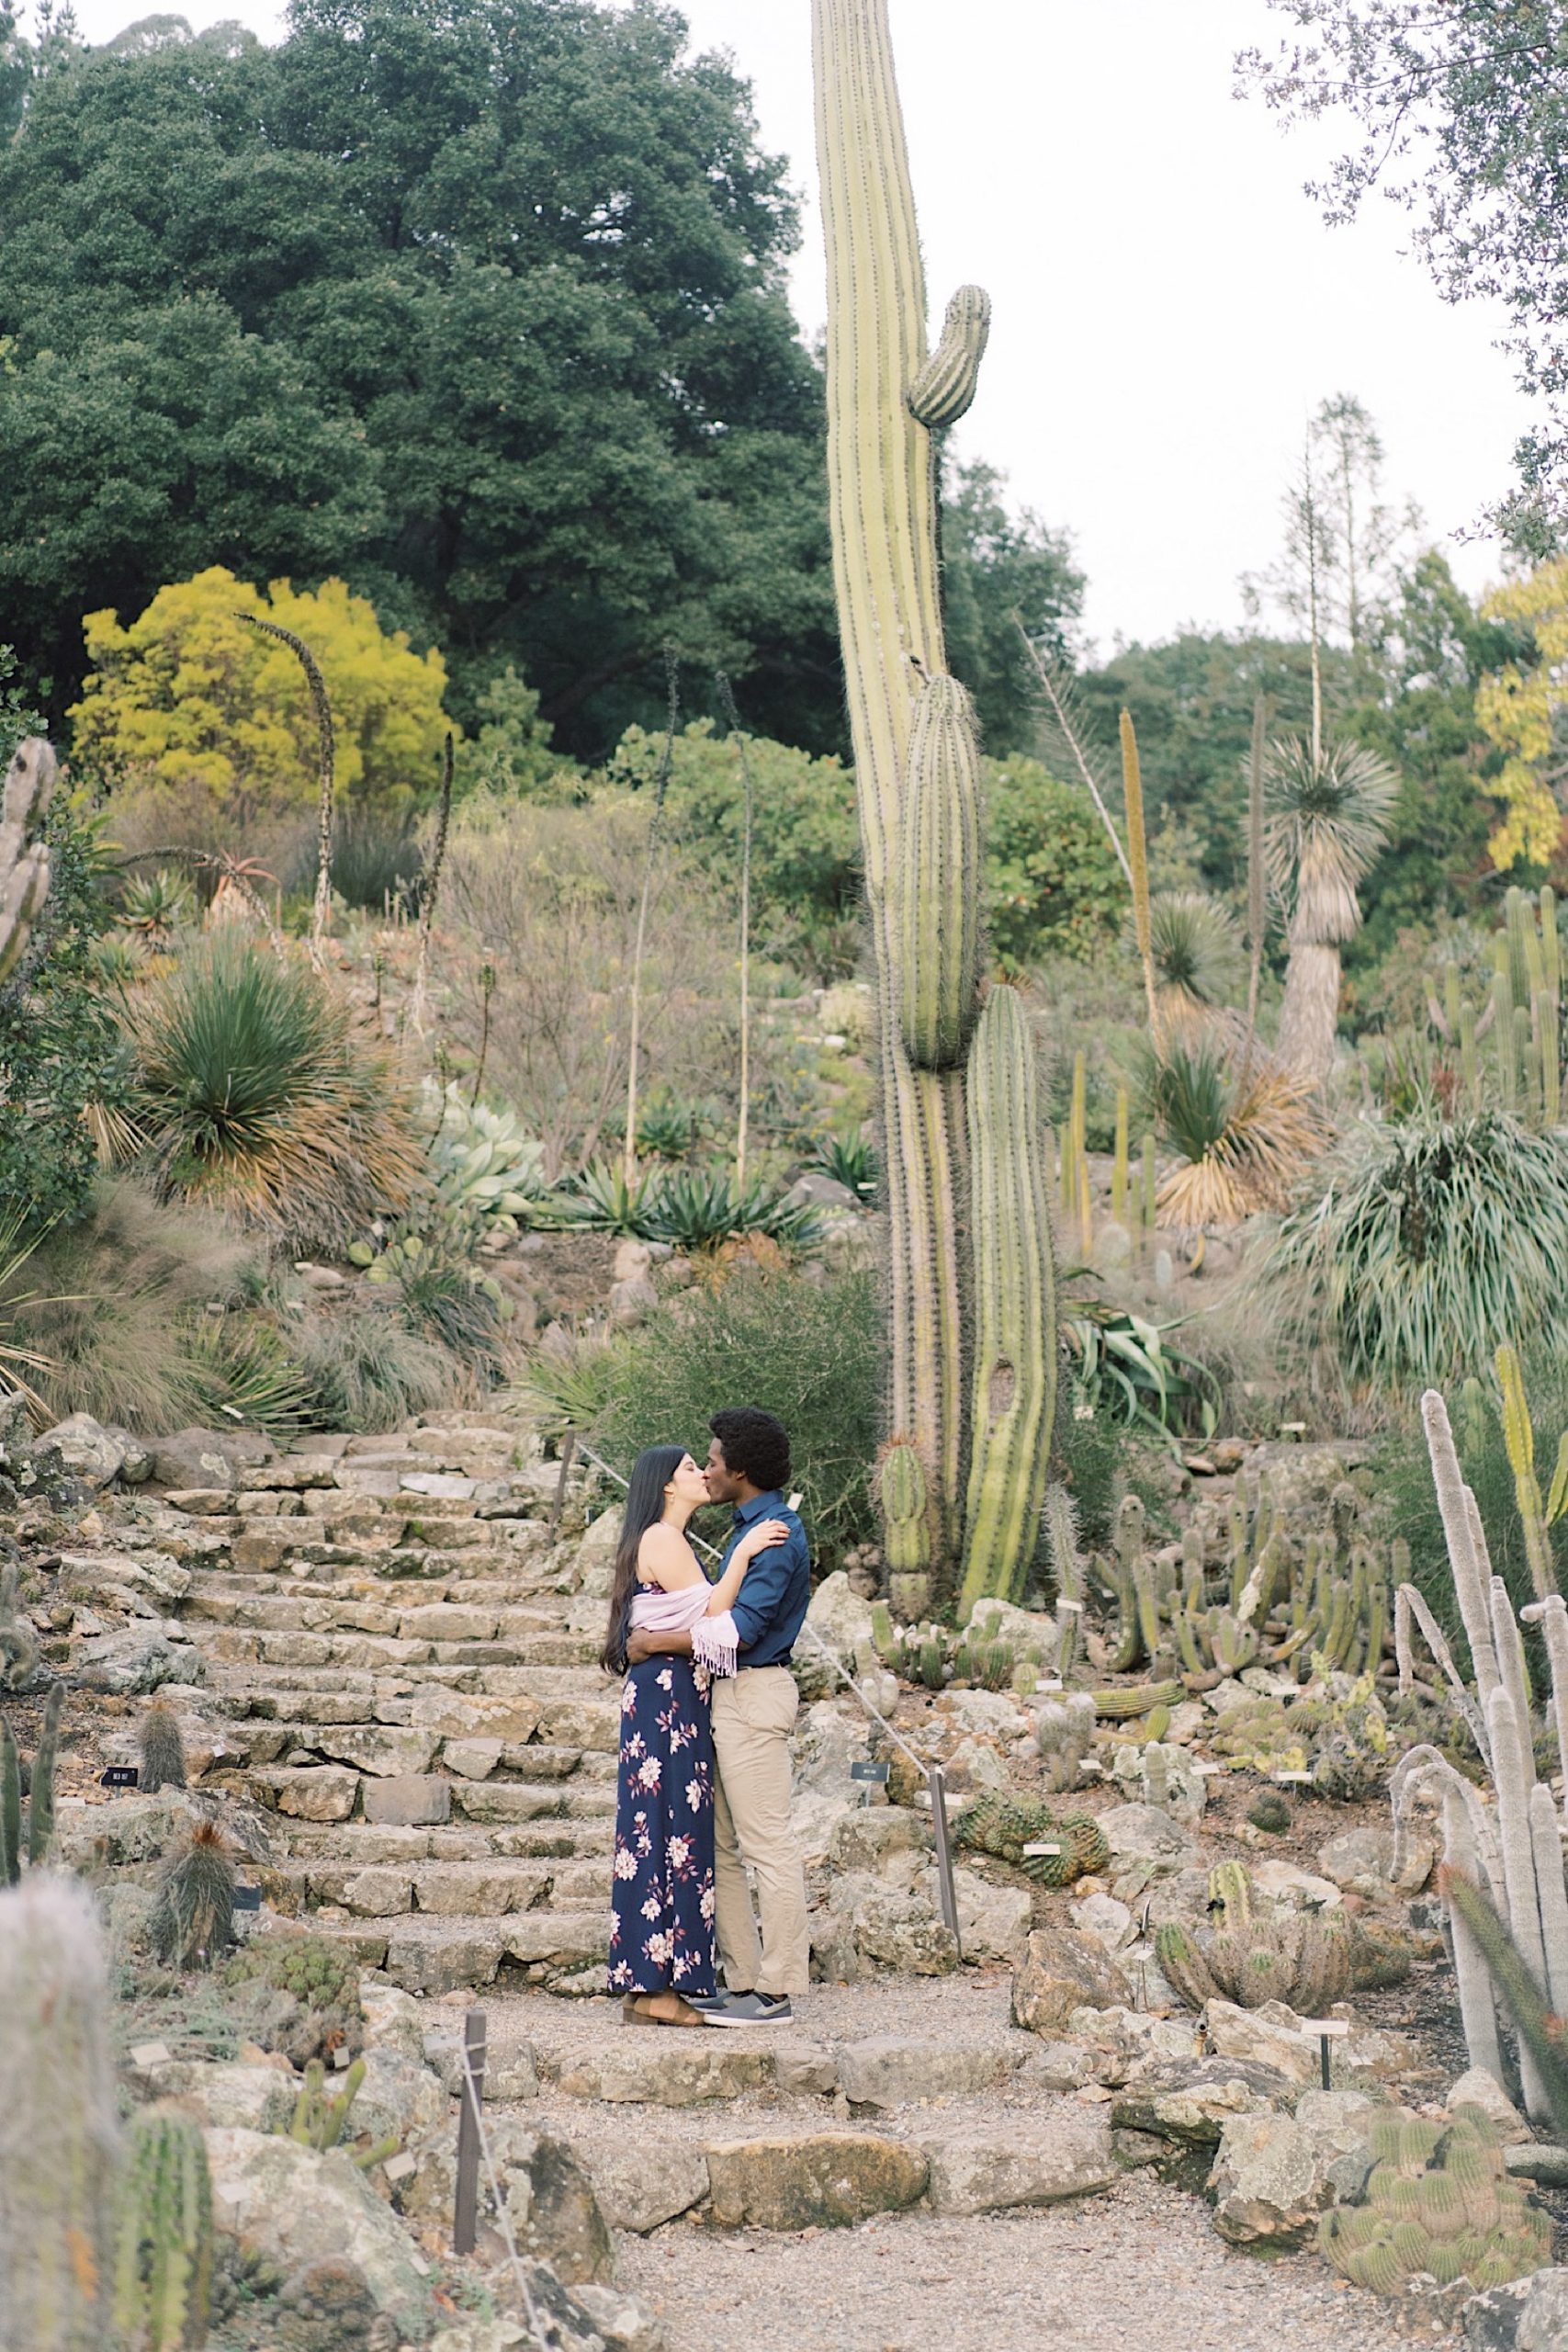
163,2269
24,862
901,1489
918,783
57,2119
1012,1284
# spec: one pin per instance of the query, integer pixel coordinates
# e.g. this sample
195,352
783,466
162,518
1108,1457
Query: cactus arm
57,2119
1459,1533
24,870
1519,1437
1552,1894
1557,1500
1015,1352
944,390
40,1803
10,1808
1553,1616
1511,1972
1408,1603
937,899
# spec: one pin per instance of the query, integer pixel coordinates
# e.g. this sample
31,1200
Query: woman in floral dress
662,1931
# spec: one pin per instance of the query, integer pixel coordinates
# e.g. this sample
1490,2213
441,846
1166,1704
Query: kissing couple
708,1707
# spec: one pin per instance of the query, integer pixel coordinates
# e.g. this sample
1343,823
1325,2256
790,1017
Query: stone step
449,1955
488,1886
498,1591
360,1843
336,1792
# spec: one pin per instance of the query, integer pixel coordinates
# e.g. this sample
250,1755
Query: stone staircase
405,1665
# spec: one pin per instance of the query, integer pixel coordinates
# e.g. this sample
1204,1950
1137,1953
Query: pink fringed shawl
714,1640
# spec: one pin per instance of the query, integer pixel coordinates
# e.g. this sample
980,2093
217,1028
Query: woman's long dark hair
651,1473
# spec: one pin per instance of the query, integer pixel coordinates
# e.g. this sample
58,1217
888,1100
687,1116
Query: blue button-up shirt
776,1587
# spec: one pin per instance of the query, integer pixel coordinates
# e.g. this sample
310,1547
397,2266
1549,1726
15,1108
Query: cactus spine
1014,1282
57,2119
885,394
193,1919
163,2236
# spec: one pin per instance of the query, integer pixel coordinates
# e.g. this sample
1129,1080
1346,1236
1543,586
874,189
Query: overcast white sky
1168,306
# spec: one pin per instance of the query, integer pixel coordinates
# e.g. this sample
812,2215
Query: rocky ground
381,1652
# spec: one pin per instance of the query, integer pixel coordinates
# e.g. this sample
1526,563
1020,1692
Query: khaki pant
753,1714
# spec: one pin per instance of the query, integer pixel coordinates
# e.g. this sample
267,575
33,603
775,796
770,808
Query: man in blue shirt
753,1715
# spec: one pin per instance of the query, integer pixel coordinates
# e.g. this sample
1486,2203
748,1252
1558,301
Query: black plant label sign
247,1898
868,1771
120,1776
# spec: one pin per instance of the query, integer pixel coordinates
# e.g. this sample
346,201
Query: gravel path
1140,2267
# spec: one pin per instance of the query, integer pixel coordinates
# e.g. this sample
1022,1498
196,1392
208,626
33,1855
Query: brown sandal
632,2012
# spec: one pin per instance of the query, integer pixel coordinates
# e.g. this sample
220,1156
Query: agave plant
1242,1135
850,1161
258,1096
1326,819
699,1208
154,907
1196,955
669,1127
599,1199
1431,1237
483,1161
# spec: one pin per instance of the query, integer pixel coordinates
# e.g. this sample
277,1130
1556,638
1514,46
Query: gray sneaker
706,2001
748,2008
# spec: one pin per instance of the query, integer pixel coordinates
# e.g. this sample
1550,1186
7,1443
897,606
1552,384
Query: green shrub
61,1050
1433,1241
258,1096
813,1354
1405,1483
116,1305
366,1370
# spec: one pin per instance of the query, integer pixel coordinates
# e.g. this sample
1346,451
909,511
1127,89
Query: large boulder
1270,2183
549,2197
1478,2087
643,2183
1529,2316
209,1457
892,2070
839,1617
89,1452
804,2180
298,2207
1062,1971
1272,2036
993,1921
141,1659
1036,2160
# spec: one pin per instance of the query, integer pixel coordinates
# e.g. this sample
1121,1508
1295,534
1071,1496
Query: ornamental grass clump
258,1096
1432,1241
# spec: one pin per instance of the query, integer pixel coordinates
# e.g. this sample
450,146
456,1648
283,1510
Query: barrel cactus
972,1356
1073,1844
1437,2202
1294,1956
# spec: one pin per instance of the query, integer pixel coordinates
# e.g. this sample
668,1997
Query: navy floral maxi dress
662,1904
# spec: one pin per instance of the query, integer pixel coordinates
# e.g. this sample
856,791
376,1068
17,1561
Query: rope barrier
504,2218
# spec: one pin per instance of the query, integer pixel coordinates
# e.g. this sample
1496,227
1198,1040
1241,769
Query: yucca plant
569,1387
1242,1139
1431,1239
1326,811
1197,956
258,1096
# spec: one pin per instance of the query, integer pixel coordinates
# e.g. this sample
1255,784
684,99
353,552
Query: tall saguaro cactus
917,769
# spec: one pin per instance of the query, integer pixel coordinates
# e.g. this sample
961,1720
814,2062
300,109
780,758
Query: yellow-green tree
1517,708
191,698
